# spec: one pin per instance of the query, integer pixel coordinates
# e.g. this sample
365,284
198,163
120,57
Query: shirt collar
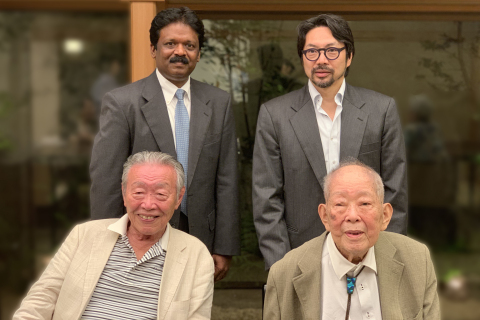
120,227
169,88
317,97
342,266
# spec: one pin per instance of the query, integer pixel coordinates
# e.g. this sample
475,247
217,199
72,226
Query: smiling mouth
144,217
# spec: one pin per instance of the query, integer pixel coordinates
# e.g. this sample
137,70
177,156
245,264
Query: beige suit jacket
66,286
406,281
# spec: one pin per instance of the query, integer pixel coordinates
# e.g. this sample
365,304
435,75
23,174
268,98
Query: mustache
179,59
322,67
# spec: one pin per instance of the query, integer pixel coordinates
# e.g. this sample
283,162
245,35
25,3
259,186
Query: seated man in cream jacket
135,267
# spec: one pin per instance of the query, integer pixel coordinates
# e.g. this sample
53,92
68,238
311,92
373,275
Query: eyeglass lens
314,54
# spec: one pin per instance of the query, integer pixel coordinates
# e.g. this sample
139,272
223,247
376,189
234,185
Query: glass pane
55,67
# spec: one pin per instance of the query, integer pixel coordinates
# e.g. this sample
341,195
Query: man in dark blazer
145,116
303,135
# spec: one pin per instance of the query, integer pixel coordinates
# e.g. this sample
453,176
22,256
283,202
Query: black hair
173,15
338,26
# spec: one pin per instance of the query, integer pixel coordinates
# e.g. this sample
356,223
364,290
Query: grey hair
151,157
350,161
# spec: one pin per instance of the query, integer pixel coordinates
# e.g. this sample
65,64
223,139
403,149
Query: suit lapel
175,262
389,276
156,115
199,122
308,284
354,121
304,123
102,247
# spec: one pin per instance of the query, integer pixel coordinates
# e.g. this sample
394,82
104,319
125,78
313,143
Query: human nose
148,202
322,58
180,50
352,214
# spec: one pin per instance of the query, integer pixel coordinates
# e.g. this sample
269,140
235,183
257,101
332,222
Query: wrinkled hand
222,264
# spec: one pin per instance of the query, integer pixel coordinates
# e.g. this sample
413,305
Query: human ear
322,212
387,215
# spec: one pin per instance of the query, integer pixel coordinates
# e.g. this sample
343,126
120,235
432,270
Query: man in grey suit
192,121
303,135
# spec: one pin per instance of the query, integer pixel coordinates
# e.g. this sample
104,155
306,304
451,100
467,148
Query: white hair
151,157
377,180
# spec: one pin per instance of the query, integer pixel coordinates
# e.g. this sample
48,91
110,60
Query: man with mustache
303,135
192,121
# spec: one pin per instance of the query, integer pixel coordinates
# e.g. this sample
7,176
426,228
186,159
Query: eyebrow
328,45
359,193
156,186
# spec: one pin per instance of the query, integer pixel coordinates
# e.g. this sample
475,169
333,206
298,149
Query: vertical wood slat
141,16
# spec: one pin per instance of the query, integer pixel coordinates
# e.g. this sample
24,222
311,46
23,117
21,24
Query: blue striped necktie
182,129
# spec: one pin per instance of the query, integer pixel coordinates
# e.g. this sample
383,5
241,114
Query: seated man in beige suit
354,270
135,267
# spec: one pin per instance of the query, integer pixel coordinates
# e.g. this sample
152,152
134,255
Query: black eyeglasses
331,53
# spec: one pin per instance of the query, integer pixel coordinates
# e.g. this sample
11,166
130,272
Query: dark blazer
406,281
289,165
134,118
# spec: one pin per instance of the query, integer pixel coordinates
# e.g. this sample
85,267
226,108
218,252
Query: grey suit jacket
134,118
406,281
289,165
66,286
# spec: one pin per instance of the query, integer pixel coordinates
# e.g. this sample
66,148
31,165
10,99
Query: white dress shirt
329,129
169,90
365,300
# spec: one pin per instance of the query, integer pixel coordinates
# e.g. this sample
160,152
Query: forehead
152,174
320,37
353,180
178,30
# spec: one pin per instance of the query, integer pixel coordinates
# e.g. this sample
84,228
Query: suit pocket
370,155
366,148
178,310
213,138
211,220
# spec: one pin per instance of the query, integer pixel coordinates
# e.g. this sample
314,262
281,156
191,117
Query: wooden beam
65,5
268,9
312,6
141,16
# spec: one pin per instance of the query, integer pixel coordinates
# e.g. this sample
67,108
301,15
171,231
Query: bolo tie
350,287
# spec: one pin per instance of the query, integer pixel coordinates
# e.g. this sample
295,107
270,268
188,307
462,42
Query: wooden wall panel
141,16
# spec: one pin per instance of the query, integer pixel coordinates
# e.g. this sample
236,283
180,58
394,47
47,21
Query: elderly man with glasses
303,135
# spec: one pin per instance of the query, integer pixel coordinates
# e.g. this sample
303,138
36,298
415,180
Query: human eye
169,44
190,46
161,195
138,193
365,202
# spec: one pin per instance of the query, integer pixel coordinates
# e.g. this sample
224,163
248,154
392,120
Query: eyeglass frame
339,50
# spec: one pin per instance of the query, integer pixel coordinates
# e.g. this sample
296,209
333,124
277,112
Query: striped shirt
128,288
